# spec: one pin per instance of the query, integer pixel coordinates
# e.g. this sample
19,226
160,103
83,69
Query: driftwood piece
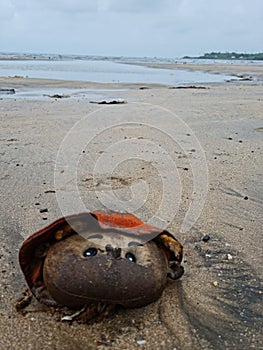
7,91
188,87
110,102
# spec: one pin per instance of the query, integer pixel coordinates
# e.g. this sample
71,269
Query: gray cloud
168,28
7,10
140,6
61,6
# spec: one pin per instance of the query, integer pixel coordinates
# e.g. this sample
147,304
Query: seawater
106,70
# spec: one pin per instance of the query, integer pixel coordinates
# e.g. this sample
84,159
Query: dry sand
217,304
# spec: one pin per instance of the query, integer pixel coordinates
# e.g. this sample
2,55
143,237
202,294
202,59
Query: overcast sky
162,28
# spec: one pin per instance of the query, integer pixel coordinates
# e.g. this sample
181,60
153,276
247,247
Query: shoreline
244,74
230,73
254,70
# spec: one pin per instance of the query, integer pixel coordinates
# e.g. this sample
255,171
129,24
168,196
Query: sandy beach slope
217,304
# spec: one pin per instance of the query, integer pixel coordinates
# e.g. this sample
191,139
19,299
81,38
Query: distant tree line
230,56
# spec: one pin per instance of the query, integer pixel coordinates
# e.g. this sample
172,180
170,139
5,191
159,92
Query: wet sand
237,70
217,304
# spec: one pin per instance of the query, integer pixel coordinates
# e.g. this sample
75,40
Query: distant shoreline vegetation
229,56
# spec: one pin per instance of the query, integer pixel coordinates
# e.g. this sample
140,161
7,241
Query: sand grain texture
217,304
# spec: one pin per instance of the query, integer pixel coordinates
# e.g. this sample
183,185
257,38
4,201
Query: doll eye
130,257
90,252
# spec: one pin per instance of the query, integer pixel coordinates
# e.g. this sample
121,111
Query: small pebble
37,203
206,238
215,283
246,198
43,210
141,342
229,257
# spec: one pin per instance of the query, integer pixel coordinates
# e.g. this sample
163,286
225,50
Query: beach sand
217,304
